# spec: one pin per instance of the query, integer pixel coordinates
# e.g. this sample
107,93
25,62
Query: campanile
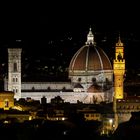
14,71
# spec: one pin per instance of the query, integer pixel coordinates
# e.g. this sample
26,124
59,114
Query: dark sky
41,20
60,20
56,17
108,16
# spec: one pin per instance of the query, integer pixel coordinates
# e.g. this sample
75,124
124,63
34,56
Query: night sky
57,30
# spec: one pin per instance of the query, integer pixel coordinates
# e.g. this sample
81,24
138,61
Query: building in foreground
6,100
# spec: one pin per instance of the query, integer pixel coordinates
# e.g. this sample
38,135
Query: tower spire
119,43
90,37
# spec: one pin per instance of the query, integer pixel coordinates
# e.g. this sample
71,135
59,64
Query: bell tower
119,70
14,71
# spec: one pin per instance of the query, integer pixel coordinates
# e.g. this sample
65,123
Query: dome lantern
90,38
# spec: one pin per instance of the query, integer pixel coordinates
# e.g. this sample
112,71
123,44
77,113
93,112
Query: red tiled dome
90,58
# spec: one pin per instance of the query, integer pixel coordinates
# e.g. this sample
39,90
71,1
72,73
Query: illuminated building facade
6,100
90,72
119,70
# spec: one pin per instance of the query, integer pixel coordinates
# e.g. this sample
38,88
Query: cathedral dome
89,58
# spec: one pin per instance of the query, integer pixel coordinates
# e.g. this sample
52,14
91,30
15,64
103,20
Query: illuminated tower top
119,43
119,55
90,38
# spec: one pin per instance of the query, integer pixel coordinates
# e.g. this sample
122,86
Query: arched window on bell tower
15,67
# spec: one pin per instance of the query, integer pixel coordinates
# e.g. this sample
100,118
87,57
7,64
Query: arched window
79,79
94,80
33,88
14,90
119,57
64,88
13,79
6,103
49,88
15,67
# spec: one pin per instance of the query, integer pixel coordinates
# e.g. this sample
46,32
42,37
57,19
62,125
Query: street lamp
110,121
111,125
